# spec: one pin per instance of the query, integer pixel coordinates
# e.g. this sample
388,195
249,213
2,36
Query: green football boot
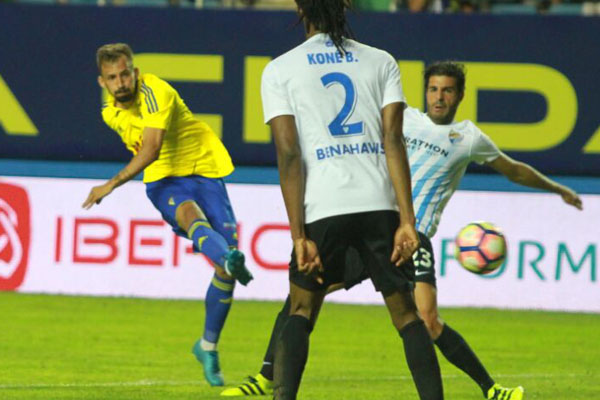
210,363
254,386
498,392
236,267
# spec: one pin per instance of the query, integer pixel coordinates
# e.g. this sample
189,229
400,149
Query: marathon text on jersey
417,144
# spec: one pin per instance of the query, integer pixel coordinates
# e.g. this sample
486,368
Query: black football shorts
371,236
423,261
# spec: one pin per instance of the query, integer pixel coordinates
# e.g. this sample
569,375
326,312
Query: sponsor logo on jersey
419,144
15,234
455,137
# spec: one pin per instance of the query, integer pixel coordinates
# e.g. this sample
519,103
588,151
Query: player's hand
308,259
96,195
570,197
406,242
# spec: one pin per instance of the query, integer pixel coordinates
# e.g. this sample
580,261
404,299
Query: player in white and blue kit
439,151
333,104
438,157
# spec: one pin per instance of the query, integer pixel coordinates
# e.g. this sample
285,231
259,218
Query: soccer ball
480,247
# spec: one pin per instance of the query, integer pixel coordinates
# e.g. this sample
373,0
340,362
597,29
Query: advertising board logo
14,235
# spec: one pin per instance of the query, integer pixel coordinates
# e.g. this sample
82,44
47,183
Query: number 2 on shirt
338,126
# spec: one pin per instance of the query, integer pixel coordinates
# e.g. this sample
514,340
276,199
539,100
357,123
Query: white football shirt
336,101
438,156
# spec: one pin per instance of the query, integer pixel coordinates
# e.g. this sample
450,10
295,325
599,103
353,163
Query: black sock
267,367
458,352
290,357
422,361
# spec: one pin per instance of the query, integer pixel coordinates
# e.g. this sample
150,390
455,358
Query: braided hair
328,16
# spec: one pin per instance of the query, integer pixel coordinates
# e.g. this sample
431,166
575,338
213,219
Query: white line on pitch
143,383
100,384
444,376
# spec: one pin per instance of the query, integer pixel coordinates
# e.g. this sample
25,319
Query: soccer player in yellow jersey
183,163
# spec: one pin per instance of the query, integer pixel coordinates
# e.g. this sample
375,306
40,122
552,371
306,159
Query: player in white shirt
333,104
336,101
438,157
439,151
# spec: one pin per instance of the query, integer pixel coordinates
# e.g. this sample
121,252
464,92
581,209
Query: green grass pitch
59,347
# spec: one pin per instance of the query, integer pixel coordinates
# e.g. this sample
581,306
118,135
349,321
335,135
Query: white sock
207,346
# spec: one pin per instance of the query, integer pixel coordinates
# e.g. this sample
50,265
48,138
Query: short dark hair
112,52
452,69
328,16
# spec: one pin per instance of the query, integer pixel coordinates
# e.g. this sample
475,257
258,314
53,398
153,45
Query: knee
305,308
186,213
433,323
303,311
402,316
402,309
401,319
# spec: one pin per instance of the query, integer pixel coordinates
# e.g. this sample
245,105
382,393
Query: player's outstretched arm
292,180
152,139
406,240
525,174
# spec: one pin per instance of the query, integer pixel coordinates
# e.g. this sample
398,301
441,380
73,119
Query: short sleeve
158,104
274,96
392,92
483,150
109,115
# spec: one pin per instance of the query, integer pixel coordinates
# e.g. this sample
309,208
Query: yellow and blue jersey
189,146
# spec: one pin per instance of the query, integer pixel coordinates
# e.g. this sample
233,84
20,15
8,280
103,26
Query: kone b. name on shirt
331,57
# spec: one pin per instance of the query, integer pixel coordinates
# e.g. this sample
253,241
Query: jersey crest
455,137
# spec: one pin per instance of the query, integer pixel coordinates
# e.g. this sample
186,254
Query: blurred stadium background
559,7
532,85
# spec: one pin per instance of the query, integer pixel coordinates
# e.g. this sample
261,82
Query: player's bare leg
426,300
292,347
219,296
455,348
418,348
